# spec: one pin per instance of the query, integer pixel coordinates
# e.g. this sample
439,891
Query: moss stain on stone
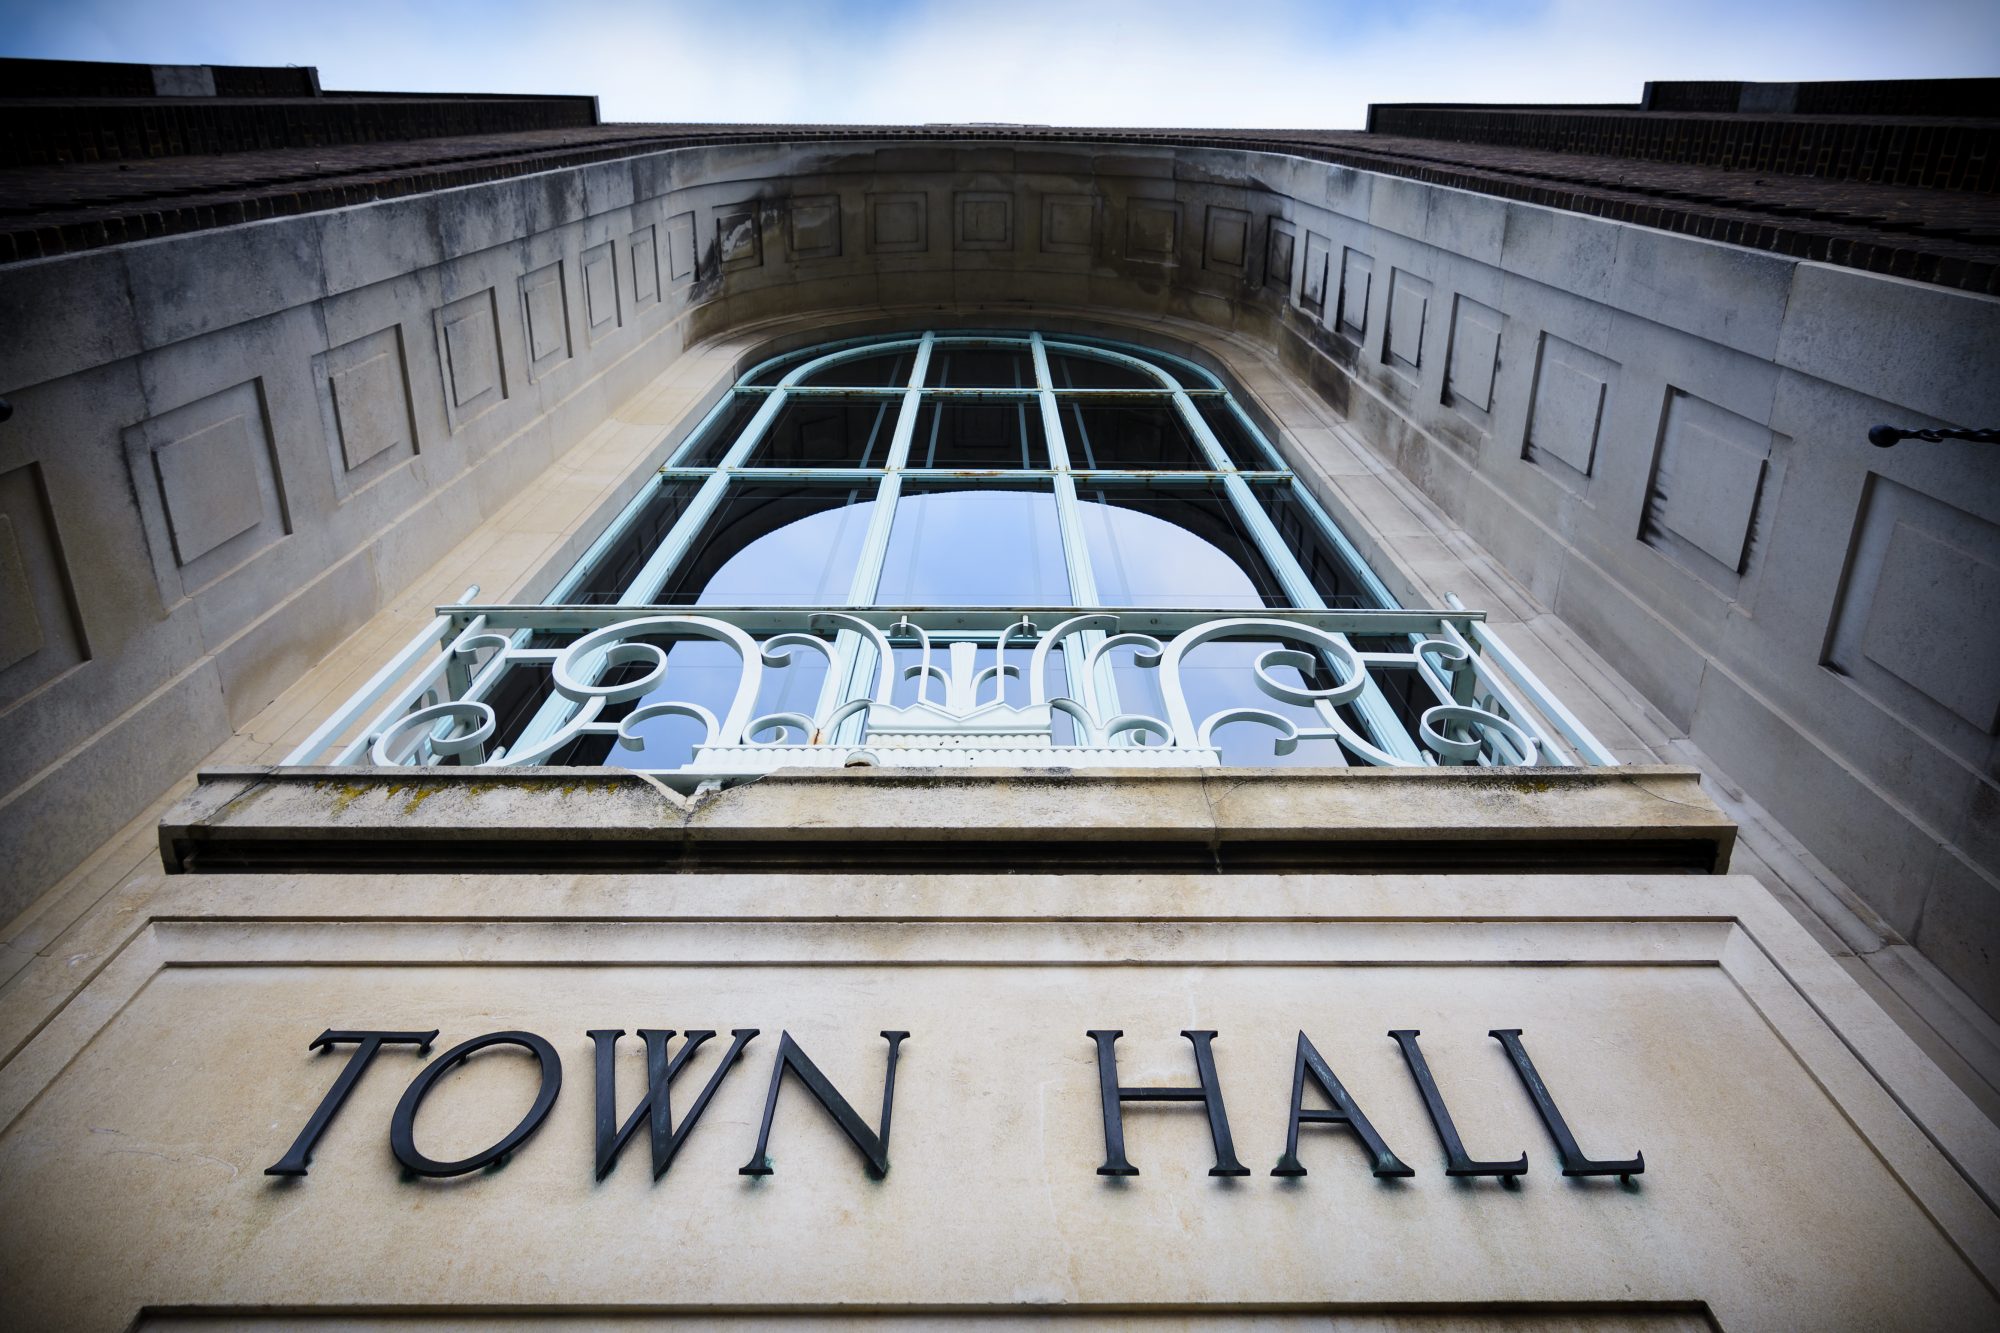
344,794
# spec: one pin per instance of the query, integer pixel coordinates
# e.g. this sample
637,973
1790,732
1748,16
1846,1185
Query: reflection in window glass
776,544
955,366
885,370
1126,436
1220,675
974,546
704,672
1230,431
716,441
1332,575
828,432
961,434
1180,546
614,570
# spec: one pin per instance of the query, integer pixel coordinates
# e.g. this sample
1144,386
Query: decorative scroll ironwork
907,689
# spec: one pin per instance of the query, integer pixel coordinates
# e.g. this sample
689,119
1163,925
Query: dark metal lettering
654,1109
1574,1163
403,1129
1309,1061
1209,1093
874,1148
1457,1163
299,1156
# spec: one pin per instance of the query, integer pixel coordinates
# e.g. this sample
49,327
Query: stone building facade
1696,1009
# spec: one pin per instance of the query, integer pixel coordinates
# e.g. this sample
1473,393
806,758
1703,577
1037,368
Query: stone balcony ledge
1632,818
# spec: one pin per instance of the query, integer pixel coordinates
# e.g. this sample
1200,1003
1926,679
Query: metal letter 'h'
1209,1093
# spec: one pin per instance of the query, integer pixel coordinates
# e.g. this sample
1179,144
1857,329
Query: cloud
1115,62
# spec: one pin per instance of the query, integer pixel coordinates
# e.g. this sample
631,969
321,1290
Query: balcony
711,696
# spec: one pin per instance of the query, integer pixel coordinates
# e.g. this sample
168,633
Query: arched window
969,469
965,548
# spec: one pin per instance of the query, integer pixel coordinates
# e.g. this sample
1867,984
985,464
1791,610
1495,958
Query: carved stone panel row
812,226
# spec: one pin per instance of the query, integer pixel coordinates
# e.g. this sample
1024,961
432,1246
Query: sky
1262,63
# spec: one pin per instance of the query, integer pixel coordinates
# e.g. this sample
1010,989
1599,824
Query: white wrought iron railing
752,690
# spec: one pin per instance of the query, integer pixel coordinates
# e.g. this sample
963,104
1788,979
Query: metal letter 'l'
1573,1160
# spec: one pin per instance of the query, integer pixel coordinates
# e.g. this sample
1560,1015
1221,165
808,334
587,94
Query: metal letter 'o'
403,1129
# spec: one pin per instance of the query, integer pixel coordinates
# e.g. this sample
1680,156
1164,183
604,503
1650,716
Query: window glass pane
706,672
1067,370
776,544
1179,546
722,431
884,370
1245,450
1145,436
607,578
1014,689
974,546
699,671
971,367
1333,576
828,432
956,433
1221,674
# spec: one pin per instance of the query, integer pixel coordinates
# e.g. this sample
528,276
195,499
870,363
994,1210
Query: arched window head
951,549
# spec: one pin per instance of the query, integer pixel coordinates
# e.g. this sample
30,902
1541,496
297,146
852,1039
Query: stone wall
231,448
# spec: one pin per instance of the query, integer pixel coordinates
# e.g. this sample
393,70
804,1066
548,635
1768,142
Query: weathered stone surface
1139,237
1223,819
1685,1018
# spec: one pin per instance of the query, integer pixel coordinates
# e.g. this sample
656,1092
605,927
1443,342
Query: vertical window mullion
1069,514
1076,648
852,667
1384,726
875,549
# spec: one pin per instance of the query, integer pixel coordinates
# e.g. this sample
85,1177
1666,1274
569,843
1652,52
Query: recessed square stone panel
1357,273
208,487
645,252
1931,621
475,379
1409,311
1708,478
898,223
601,314
1473,362
1226,246
1313,282
23,637
1153,231
1069,224
680,248
1566,410
202,477
40,632
1278,254
367,404
1914,626
812,226
983,220
545,311
739,240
